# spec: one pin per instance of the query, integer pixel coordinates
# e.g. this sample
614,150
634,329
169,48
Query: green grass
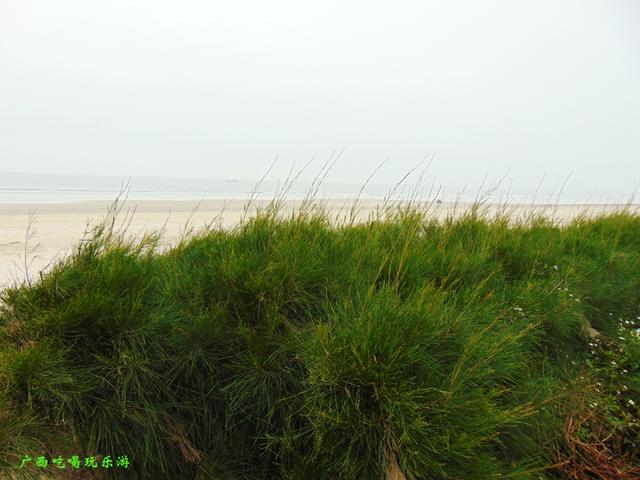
291,348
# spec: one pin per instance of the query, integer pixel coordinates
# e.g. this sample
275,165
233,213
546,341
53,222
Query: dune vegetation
295,347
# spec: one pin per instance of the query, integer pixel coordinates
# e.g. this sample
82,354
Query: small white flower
631,402
571,295
621,338
624,370
555,267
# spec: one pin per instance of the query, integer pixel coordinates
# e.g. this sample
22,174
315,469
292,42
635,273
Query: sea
52,188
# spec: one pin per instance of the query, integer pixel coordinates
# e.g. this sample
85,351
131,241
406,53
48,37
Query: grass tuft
399,348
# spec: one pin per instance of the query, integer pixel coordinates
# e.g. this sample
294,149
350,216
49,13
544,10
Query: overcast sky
218,89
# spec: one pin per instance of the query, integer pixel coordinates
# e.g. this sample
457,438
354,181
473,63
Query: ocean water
32,188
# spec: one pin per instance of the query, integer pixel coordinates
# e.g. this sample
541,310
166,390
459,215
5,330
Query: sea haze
50,188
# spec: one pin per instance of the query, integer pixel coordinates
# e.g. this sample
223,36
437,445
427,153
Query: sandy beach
56,228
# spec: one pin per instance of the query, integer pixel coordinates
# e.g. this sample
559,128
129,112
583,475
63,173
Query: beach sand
57,228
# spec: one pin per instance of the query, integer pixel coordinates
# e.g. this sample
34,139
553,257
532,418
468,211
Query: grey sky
217,89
